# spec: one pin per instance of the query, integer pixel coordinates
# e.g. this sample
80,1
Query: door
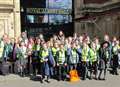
4,25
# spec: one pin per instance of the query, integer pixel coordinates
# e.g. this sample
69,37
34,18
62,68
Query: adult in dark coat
103,59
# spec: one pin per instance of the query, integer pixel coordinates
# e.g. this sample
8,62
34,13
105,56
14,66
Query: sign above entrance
48,11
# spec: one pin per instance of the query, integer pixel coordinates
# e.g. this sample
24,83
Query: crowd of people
56,57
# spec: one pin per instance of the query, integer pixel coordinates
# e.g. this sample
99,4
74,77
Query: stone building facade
97,17
10,18
84,10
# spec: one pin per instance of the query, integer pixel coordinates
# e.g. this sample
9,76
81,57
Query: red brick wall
95,1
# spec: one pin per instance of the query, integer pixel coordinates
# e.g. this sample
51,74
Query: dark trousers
0,67
85,68
102,68
72,66
61,72
29,65
12,67
44,69
115,64
94,69
35,66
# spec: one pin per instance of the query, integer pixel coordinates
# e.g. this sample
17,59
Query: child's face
66,41
77,42
22,44
73,45
56,45
45,46
93,45
117,42
114,39
38,41
81,38
61,46
84,44
96,41
70,39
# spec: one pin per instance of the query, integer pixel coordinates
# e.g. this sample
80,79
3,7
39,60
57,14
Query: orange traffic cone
74,76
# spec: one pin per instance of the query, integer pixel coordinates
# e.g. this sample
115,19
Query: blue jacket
79,51
51,59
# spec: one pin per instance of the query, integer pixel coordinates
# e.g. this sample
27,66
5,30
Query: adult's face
114,39
106,38
105,45
81,39
23,35
38,41
60,33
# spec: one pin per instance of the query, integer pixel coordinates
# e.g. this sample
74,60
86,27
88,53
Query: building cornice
6,7
88,8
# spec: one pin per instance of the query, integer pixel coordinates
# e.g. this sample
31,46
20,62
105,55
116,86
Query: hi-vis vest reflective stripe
1,52
36,47
44,54
54,50
74,56
107,54
85,52
61,58
93,55
74,53
98,47
115,50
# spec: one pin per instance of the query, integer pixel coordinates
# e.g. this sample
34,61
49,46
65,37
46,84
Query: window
52,18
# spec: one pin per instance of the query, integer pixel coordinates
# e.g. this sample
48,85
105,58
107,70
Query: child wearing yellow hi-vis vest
44,68
35,57
93,60
85,60
54,50
61,62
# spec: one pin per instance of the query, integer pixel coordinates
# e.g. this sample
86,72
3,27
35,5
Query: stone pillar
10,18
78,4
17,20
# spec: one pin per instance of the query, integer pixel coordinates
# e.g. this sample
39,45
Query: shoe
83,78
116,74
90,78
47,81
96,78
99,78
41,81
103,79
59,79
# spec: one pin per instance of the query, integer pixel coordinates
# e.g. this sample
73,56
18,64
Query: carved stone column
10,18
17,22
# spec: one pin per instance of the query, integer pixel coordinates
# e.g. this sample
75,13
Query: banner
48,11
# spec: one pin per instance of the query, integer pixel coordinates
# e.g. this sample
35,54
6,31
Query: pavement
16,81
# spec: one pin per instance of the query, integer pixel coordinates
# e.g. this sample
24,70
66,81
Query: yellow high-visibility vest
44,54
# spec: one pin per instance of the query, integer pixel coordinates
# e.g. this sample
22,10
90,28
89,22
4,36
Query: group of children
56,57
